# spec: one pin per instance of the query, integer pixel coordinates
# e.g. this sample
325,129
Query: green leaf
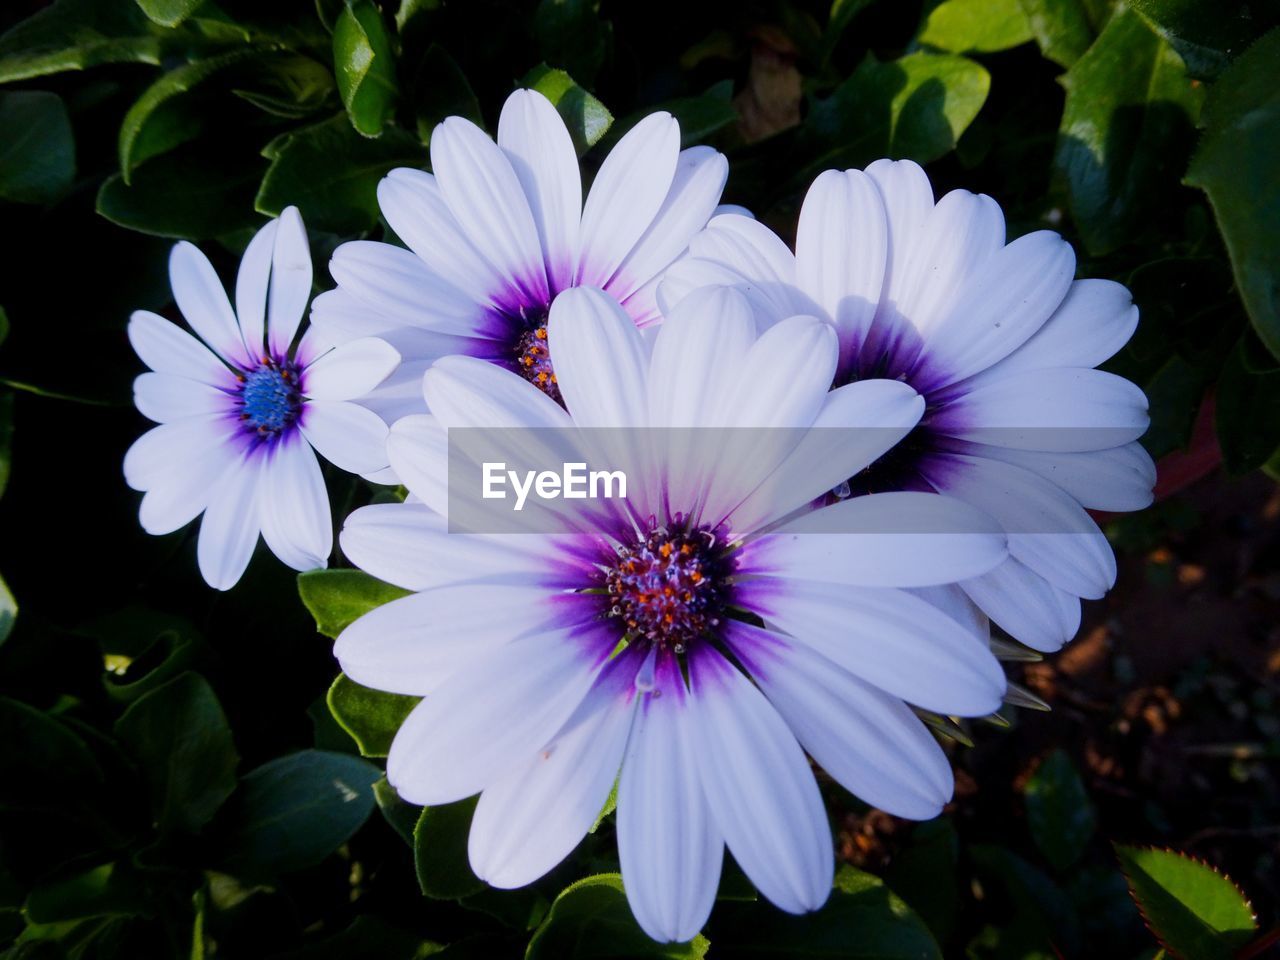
1126,127
292,812
842,14
1044,922
863,919
591,919
288,85
1174,393
1191,908
440,851
331,173
180,738
161,119
440,90
1061,27
912,108
75,35
976,26
372,717
337,598
1059,811
924,874
364,66
169,13
44,760
1208,35
400,814
1247,417
571,35
703,115
586,117
112,889
37,149
8,611
1236,166
193,193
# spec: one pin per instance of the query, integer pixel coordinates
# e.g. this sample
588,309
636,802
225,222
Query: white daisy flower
240,412
999,340
692,642
500,229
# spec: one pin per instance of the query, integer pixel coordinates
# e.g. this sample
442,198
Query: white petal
669,846
252,282
770,302
537,143
167,348
180,465
466,392
202,300
290,281
756,252
908,201
893,640
872,743
1026,606
345,434
532,818
294,505
490,715
1118,479
1000,307
229,529
418,449
767,803
699,180
888,540
1095,320
163,397
600,360
351,370
625,198
486,198
951,599
1056,409
1048,530
841,248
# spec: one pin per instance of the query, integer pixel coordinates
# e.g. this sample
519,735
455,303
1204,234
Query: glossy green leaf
1126,129
591,919
372,717
169,13
440,90
570,34
111,889
1247,417
400,814
292,812
181,740
586,117
975,26
8,611
162,118
192,193
75,35
1061,28
364,66
862,919
1059,812
337,598
912,108
37,148
289,85
1191,908
331,173
1208,35
440,851
1235,165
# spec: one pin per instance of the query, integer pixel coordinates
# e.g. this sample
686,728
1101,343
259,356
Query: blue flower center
672,587
270,398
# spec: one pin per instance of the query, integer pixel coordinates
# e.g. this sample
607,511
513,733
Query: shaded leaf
1192,909
8,611
1061,28
180,738
294,811
331,174
586,117
570,34
169,13
1247,418
1044,920
289,85
6,438
44,760
1174,393
364,67
1235,165
1126,130
703,115
975,26
372,717
924,875
440,851
591,919
111,889
1208,35
1059,811
37,148
838,20
74,35
440,90
337,598
368,936
400,814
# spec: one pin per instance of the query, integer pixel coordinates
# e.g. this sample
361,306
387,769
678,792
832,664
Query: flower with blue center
1001,342
693,641
242,409
499,229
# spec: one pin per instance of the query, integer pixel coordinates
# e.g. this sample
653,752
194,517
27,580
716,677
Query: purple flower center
533,361
270,398
672,587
